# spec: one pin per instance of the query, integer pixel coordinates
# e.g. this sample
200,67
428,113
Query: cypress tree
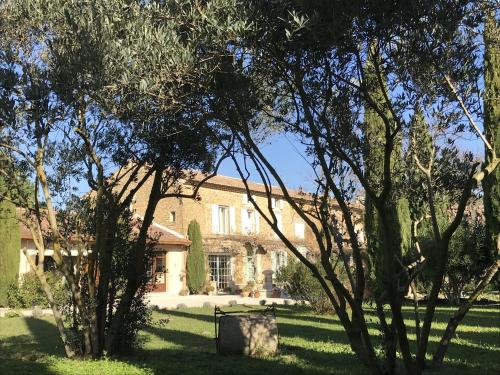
374,158
420,144
398,209
10,244
195,259
491,183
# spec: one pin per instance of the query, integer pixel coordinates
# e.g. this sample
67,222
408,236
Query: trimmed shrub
10,245
12,314
195,259
300,284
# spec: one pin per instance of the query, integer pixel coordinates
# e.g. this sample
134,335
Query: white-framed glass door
220,270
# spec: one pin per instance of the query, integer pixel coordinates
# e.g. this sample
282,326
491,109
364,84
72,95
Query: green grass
310,344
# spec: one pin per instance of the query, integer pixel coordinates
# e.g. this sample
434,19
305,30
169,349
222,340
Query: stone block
254,334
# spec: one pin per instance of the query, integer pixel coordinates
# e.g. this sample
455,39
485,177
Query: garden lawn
310,344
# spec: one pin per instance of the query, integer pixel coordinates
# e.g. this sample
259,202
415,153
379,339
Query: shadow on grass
195,354
45,335
16,366
306,348
21,354
43,339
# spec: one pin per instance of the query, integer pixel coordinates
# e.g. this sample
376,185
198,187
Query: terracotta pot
256,294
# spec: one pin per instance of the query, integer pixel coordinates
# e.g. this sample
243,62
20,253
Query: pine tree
491,183
195,259
10,243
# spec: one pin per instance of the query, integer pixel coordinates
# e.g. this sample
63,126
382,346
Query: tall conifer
398,209
491,183
10,244
195,259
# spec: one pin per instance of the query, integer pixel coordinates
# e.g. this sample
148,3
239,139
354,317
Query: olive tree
104,95
302,69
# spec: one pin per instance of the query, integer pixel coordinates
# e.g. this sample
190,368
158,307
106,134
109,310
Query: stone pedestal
248,334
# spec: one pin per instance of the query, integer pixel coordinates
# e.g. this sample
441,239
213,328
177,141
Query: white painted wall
175,270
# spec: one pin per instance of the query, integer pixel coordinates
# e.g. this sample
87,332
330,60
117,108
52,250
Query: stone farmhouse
240,246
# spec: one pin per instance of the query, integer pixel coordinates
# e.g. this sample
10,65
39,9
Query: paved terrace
172,302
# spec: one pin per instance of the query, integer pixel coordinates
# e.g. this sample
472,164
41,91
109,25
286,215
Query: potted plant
247,290
210,290
276,292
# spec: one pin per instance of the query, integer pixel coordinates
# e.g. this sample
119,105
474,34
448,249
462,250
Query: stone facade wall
237,242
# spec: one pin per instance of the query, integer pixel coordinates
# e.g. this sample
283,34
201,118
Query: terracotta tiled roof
166,236
233,183
160,234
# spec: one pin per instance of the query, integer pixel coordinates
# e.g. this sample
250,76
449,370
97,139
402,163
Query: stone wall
237,241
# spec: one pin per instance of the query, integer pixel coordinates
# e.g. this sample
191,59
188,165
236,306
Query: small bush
208,288
14,298
138,317
300,284
29,293
12,314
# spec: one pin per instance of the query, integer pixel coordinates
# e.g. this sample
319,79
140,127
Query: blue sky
287,157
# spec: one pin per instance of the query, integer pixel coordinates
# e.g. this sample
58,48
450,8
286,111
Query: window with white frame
299,230
279,259
222,219
249,221
250,267
279,222
220,270
277,204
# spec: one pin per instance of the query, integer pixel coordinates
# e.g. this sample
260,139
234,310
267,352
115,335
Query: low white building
167,268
